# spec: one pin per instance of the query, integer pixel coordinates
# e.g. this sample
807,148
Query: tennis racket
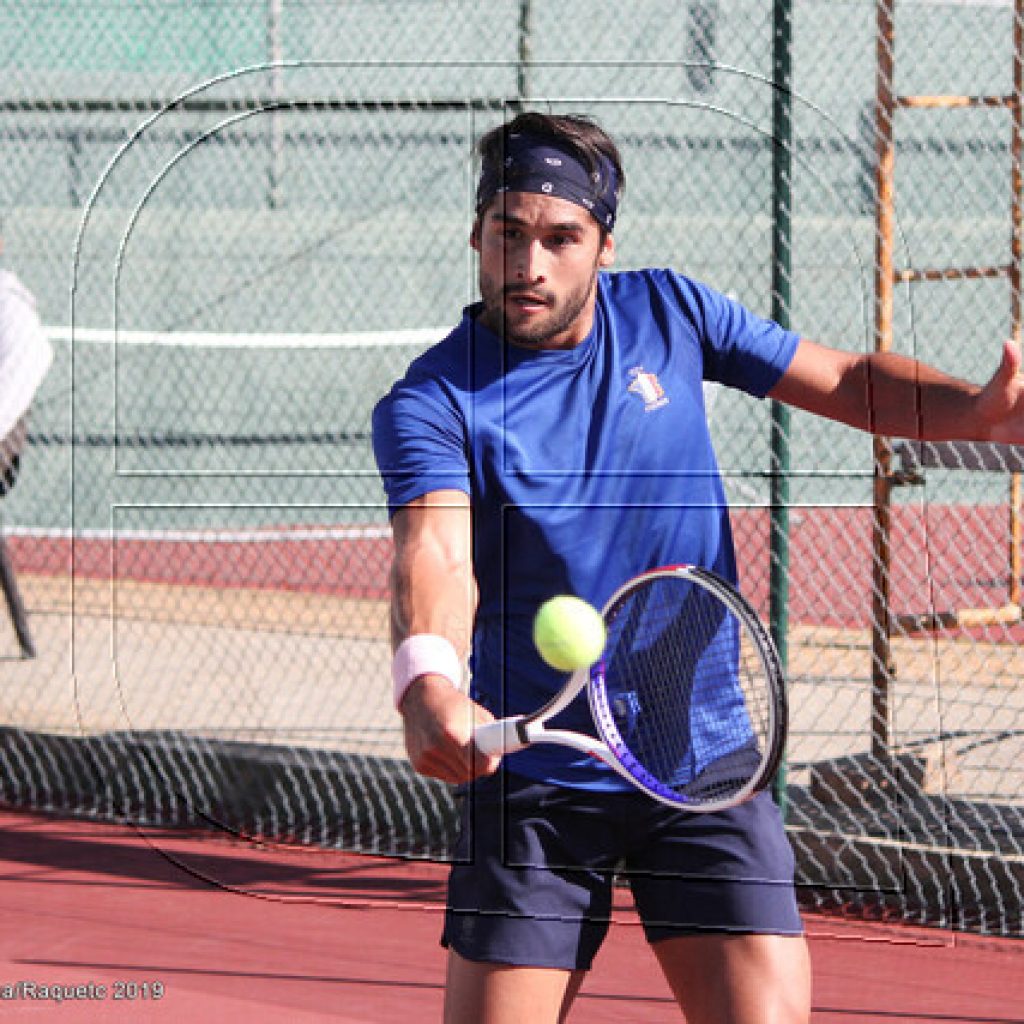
688,700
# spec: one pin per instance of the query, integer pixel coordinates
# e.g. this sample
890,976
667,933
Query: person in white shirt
25,357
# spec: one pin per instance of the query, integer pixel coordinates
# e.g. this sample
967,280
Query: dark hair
580,135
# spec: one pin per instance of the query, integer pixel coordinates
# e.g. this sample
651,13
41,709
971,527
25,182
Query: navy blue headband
532,164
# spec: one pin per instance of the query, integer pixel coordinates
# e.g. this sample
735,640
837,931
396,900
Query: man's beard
558,319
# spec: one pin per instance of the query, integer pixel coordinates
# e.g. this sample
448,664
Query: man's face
539,257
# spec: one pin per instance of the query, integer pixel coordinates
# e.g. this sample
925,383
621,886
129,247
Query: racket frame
508,735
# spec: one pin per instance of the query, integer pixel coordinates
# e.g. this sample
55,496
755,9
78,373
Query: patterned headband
533,164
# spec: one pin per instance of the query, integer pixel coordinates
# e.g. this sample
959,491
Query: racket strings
685,686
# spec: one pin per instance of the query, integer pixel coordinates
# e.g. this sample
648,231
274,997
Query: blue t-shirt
584,467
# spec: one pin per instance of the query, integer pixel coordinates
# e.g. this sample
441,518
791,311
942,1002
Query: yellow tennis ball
568,633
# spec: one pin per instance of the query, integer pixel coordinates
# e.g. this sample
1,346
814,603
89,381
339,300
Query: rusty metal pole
882,668
1016,251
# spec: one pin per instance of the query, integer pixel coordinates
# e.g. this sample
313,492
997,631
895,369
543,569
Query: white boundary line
962,3
253,536
213,340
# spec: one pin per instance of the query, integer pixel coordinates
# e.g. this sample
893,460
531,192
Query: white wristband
424,654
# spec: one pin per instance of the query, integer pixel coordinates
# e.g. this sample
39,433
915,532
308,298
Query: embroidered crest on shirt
648,387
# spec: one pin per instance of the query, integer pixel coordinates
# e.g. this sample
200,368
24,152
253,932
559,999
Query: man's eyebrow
511,218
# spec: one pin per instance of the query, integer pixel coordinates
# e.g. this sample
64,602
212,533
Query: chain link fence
242,220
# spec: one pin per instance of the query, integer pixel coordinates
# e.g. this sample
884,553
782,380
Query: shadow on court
232,930
173,860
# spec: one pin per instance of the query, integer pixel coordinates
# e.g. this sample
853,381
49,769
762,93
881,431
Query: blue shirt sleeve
418,442
741,349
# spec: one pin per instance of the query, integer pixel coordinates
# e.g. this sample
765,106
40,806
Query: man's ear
474,234
607,255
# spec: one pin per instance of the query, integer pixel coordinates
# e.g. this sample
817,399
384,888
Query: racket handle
500,737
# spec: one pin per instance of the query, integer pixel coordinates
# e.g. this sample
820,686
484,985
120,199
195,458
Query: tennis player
556,442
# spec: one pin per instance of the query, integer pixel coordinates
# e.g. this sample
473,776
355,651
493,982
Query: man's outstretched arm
894,395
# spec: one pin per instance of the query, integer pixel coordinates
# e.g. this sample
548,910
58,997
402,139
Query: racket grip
500,737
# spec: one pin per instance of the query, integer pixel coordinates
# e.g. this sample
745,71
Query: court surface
224,930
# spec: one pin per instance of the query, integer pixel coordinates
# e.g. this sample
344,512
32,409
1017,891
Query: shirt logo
648,387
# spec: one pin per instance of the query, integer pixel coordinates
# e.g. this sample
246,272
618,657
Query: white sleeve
25,352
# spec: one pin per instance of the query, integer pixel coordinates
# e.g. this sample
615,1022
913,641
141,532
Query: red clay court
226,930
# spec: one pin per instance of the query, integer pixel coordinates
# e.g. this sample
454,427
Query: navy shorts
535,863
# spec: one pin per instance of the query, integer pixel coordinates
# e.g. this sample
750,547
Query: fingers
1009,364
1011,357
439,722
450,762
483,764
1000,403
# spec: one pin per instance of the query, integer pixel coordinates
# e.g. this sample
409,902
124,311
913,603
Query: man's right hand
439,723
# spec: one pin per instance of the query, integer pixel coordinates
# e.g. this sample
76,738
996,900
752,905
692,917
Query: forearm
432,586
433,595
882,393
432,592
902,397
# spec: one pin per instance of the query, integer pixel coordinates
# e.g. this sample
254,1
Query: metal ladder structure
887,277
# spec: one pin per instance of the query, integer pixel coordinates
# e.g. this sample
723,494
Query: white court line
253,536
961,3
214,340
